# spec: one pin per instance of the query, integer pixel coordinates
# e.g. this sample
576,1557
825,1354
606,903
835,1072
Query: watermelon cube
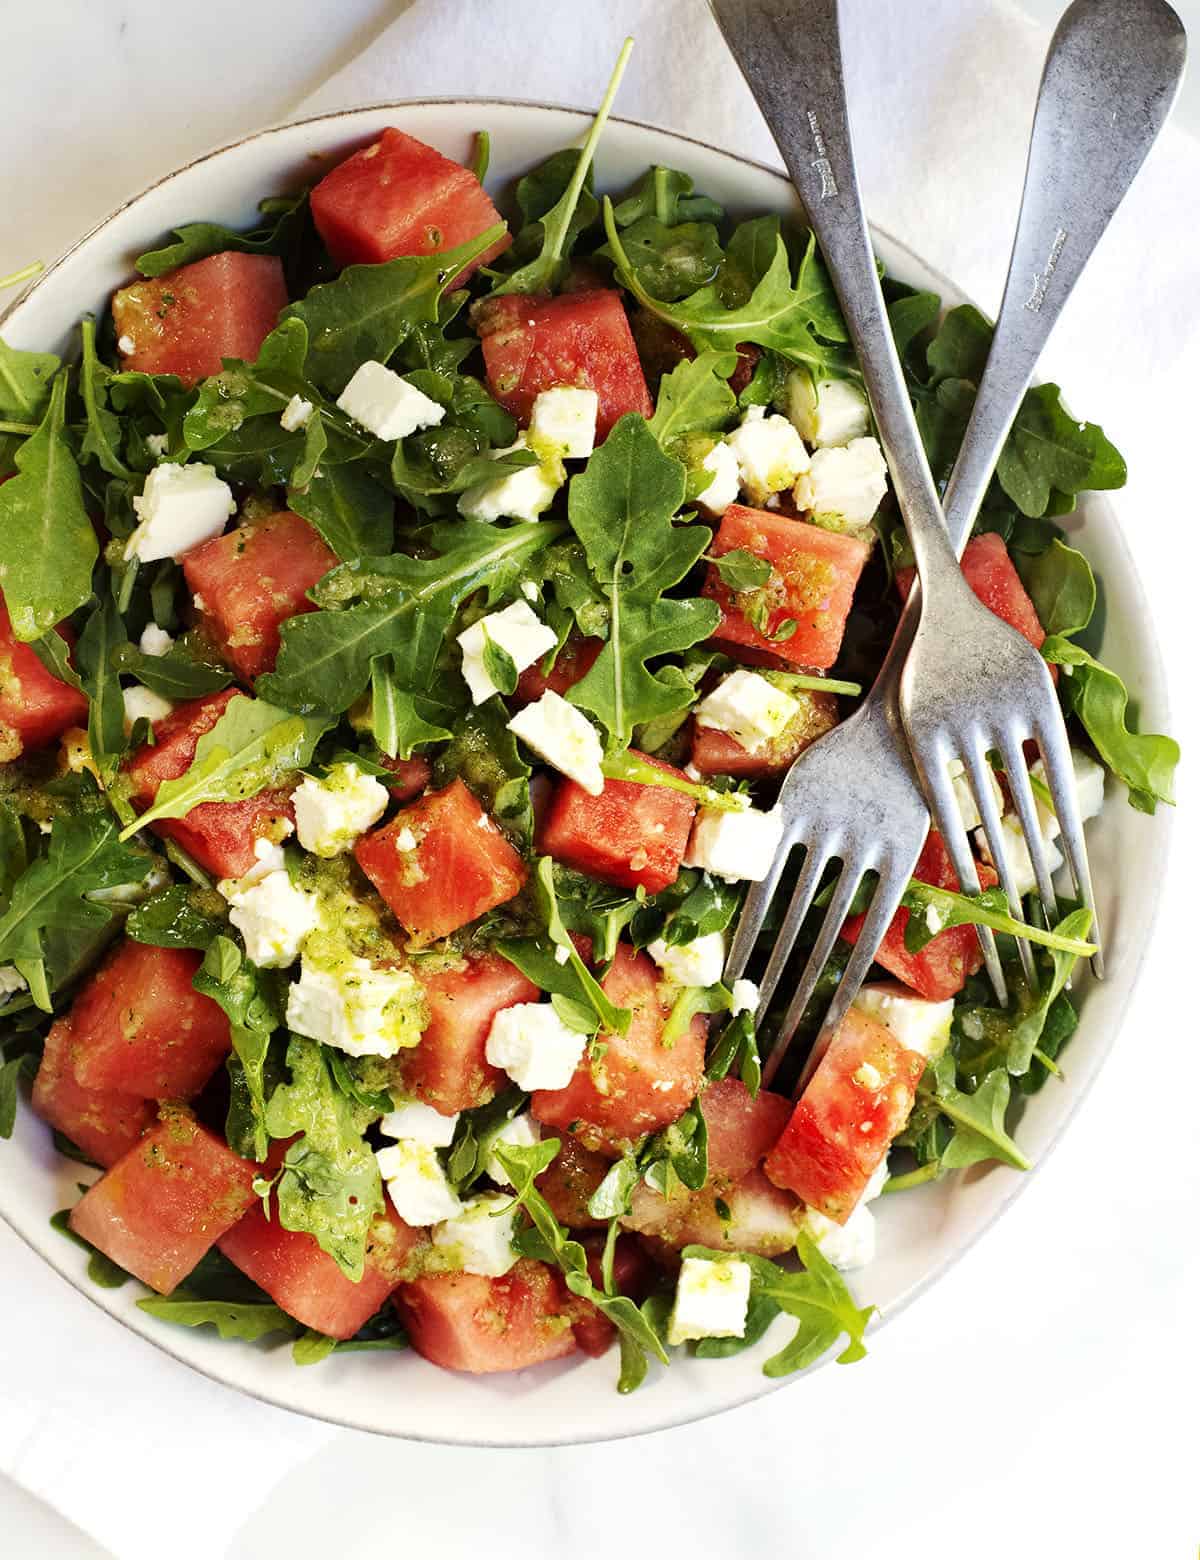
992,575
35,707
104,1123
464,1322
720,753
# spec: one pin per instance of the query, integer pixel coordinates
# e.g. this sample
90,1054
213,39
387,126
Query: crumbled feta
919,1025
770,454
268,857
521,1132
829,412
417,1184
534,1047
295,414
845,484
479,1239
517,630
737,846
405,840
386,405
332,813
745,997
143,704
1089,791
749,707
154,640
178,508
521,495
722,491
357,1007
563,422
965,797
700,962
711,1300
564,737
11,981
1016,852
126,346
415,1122
157,443
273,916
850,1245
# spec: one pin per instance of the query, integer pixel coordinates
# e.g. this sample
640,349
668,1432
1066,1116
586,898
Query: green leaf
695,397
312,1347
1144,761
25,380
244,390
499,665
352,512
253,747
612,1019
400,606
9,1076
371,309
669,195
621,508
671,262
53,651
103,634
1061,586
396,722
176,675
197,240
910,317
329,1186
960,348
250,998
742,570
245,1322
47,544
487,756
102,433
181,916
987,909
1050,451
979,1131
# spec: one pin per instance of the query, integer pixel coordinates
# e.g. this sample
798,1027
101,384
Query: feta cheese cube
273,916
11,981
1089,791
847,1246
357,1007
534,1047
296,414
479,1238
698,963
178,508
919,1025
563,422
386,405
522,495
332,813
417,1184
722,491
770,454
415,1122
965,797
1020,864
141,703
750,708
154,640
846,484
268,857
521,1132
711,1300
827,412
737,846
745,997
517,630
564,737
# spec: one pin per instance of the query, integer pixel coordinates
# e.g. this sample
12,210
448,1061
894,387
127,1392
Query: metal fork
1111,76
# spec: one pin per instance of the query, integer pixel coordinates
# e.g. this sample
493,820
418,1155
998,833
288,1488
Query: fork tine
935,777
1060,776
831,926
1017,774
754,913
979,777
816,859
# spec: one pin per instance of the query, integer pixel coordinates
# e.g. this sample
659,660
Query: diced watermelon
102,1122
638,1084
185,321
410,776
220,835
854,1104
742,1128
165,1202
749,1214
531,344
992,575
141,1027
401,197
569,1181
460,865
572,662
941,968
35,707
814,573
464,1322
748,356
630,834
660,346
718,753
307,1283
449,1069
251,580
632,1274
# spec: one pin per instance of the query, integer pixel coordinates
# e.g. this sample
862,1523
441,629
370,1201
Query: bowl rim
1149,648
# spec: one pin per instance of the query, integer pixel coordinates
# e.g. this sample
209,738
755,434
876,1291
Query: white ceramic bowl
921,1232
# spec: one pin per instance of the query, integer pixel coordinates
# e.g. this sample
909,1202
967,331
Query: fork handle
790,54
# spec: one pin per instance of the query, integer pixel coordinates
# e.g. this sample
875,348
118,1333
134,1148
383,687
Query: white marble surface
1041,1400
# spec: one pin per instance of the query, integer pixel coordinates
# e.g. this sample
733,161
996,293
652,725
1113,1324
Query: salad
407,618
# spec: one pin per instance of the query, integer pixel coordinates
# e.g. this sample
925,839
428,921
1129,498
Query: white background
1041,1401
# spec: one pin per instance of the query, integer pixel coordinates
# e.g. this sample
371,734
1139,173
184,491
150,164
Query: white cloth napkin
942,95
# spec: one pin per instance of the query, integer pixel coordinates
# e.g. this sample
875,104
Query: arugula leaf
910,316
102,433
742,570
47,544
574,210
369,310
329,1186
352,512
695,397
1050,451
232,1320
979,1132
1144,761
989,908
253,746
396,722
176,675
632,767
402,606
671,262
486,754
669,195
25,381
9,1075
243,390
53,651
102,635
620,507
181,916
960,348
1061,586
198,240
250,998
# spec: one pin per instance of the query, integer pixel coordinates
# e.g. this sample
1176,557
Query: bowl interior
922,1232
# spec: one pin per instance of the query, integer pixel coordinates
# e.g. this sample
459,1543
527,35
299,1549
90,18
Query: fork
855,796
